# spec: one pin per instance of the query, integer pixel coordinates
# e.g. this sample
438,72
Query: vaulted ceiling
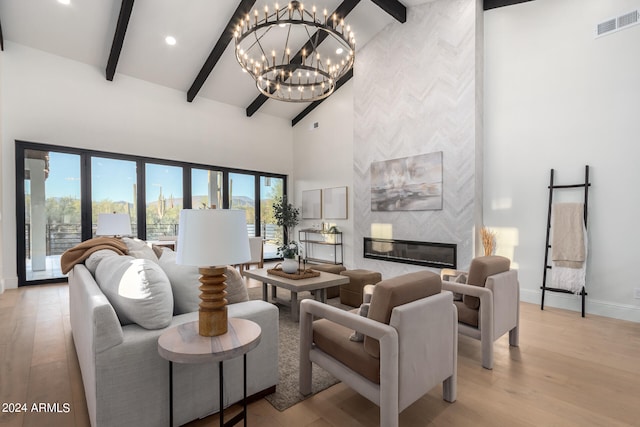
128,37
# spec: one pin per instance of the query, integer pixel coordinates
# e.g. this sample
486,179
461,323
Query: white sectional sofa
126,382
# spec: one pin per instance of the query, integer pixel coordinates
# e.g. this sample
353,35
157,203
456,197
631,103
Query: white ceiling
84,29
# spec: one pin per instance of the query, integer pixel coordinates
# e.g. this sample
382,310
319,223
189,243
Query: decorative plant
289,250
286,215
488,240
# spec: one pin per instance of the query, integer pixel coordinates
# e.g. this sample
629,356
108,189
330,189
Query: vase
290,265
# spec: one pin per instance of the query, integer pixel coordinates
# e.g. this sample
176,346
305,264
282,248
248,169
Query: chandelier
263,46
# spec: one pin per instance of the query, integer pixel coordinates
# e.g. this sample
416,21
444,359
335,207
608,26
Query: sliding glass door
271,189
61,190
51,211
113,189
163,200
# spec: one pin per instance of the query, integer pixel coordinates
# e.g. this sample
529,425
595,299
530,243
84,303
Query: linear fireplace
428,254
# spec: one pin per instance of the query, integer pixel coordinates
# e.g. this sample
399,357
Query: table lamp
211,239
115,224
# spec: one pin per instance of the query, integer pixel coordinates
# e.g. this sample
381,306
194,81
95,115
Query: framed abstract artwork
407,184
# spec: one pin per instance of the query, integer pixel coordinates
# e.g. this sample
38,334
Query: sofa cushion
139,249
138,289
333,339
466,315
94,259
399,290
185,284
481,268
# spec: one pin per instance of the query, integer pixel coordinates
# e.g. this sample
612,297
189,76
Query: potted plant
289,251
286,216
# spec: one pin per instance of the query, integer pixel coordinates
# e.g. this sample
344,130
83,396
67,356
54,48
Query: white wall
50,99
556,97
323,158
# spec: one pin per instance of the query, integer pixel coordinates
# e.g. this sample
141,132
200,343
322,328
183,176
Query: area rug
287,393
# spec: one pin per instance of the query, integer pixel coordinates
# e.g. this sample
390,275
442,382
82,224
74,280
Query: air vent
628,19
616,24
607,26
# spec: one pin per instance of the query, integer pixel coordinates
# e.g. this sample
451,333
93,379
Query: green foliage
289,250
285,213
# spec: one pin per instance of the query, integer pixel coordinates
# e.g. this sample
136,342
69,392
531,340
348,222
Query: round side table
183,344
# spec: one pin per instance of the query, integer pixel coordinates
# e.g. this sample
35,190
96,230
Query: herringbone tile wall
415,92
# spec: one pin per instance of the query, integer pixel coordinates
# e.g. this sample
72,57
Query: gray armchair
488,302
410,343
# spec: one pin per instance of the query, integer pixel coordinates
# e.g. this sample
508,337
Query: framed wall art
407,184
334,203
312,204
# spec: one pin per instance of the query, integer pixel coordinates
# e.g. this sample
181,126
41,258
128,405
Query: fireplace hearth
428,254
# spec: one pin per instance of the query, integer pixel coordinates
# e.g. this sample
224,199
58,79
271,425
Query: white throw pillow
94,259
139,249
185,284
138,289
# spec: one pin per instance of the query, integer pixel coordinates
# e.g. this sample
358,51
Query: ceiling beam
314,104
221,45
341,11
1,38
493,4
118,37
393,8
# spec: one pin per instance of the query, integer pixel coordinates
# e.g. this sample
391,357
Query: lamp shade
212,237
114,224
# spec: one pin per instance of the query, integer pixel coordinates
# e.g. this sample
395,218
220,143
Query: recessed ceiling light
339,51
65,2
170,40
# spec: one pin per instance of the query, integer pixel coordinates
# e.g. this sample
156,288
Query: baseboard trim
574,303
8,284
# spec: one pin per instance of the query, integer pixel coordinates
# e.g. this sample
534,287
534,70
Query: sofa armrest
94,322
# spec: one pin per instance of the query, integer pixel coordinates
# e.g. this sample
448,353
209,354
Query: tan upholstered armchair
488,305
410,343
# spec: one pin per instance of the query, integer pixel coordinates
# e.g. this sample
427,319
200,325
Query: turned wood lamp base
213,308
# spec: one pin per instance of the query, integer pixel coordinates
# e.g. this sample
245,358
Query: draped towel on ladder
569,247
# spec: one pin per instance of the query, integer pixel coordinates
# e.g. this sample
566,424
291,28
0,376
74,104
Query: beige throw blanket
81,251
568,245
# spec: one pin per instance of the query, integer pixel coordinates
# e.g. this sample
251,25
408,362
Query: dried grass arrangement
488,240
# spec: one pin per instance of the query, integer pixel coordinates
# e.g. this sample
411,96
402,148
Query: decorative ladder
547,267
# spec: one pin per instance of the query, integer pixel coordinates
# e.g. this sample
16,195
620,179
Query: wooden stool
351,293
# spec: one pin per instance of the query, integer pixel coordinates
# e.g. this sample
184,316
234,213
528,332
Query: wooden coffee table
318,285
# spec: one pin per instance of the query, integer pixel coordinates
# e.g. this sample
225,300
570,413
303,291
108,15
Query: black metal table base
238,417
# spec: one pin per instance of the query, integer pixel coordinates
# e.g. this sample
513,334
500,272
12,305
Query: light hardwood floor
568,371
